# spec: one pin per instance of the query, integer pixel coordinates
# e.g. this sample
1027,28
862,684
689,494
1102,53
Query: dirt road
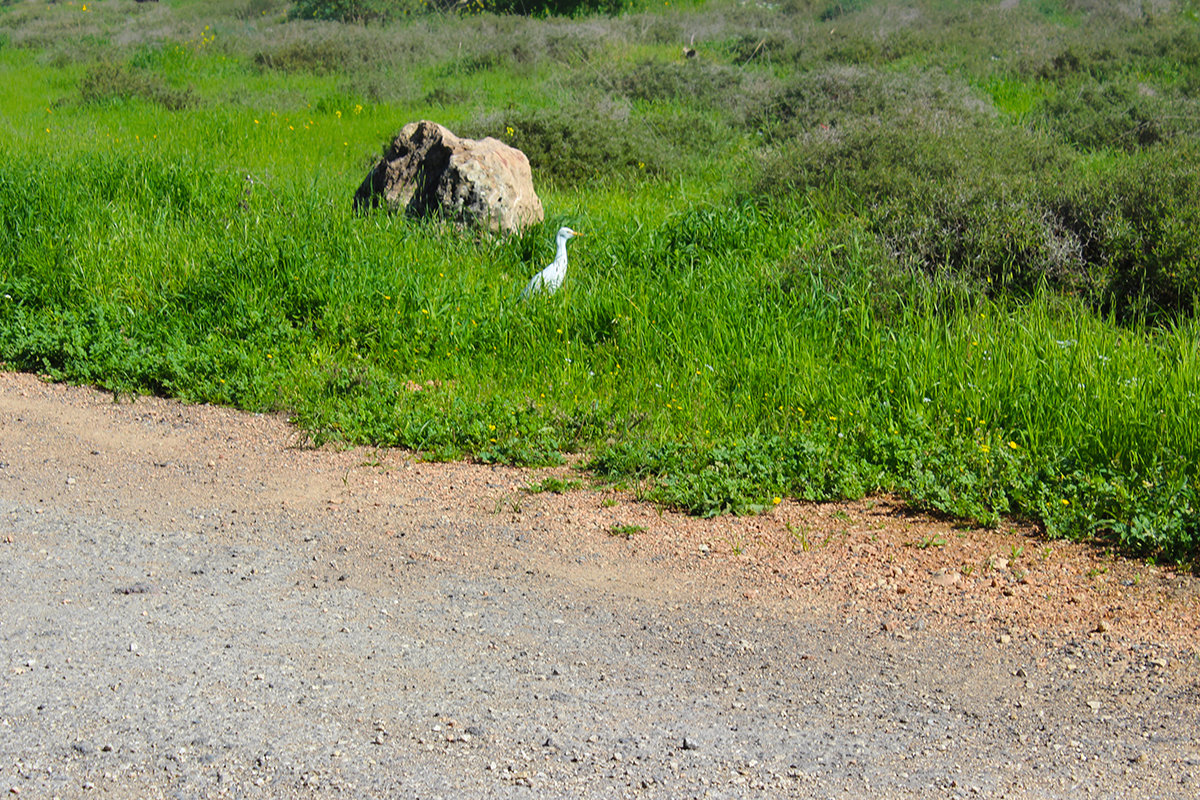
192,604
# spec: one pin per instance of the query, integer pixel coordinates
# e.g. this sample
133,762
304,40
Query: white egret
549,279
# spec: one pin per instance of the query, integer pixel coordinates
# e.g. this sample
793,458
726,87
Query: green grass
919,314
1014,96
554,485
626,531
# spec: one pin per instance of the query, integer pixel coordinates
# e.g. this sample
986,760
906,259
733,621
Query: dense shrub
1121,115
824,100
500,54
839,8
1007,210
319,56
106,82
364,11
591,140
1125,236
255,9
1139,222
352,10
558,7
993,233
700,84
575,145
768,47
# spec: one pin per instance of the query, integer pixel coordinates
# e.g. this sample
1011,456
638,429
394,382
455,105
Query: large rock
429,170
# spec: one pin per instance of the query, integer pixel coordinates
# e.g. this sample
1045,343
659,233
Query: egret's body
549,279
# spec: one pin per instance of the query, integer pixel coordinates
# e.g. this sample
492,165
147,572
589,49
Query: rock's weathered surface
428,170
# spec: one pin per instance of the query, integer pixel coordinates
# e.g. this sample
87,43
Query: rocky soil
194,604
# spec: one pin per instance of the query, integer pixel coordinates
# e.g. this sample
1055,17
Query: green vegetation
949,250
554,485
367,11
626,531
932,541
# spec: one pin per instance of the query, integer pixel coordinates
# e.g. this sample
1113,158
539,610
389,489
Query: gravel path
196,606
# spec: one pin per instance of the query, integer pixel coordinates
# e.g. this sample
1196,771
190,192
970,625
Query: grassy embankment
952,253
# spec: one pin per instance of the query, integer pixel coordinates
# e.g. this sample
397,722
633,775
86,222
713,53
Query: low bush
956,192
318,56
367,11
700,84
361,11
839,8
562,8
107,82
767,47
516,57
1123,115
821,103
256,9
1138,221
585,141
